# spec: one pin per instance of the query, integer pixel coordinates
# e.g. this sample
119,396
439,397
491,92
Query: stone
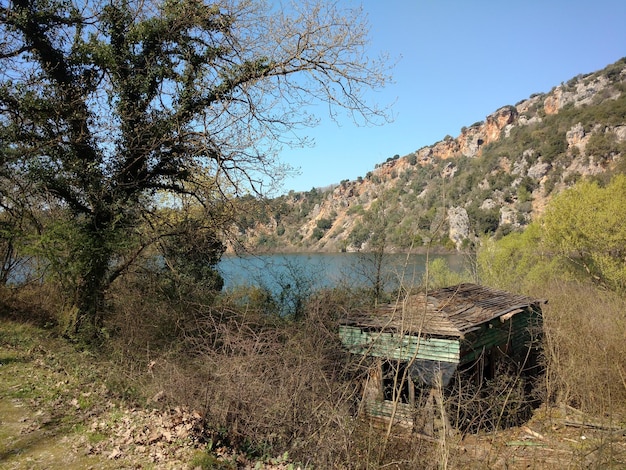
458,220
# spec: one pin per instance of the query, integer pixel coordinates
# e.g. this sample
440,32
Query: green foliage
529,184
581,235
585,225
552,144
208,461
602,144
613,71
523,195
190,256
515,261
246,297
355,209
317,234
359,235
500,180
484,221
440,275
324,224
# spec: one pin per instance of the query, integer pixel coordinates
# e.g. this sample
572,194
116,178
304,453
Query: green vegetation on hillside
532,160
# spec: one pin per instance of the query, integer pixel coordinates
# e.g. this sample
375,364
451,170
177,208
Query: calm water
324,270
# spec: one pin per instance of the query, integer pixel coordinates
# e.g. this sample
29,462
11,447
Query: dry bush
499,403
142,318
585,347
35,302
264,383
276,385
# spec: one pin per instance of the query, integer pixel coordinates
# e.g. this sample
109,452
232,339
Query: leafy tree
190,253
581,235
104,105
585,225
515,260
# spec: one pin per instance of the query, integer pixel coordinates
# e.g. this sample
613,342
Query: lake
318,270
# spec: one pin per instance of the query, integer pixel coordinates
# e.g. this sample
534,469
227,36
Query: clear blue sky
458,62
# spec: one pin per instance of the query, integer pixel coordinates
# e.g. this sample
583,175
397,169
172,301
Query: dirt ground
555,438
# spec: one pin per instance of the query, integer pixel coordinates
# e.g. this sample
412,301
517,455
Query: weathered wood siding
397,346
515,334
403,415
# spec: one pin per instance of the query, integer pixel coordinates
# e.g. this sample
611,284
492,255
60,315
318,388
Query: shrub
515,260
484,221
274,385
440,274
602,144
585,227
324,224
317,234
584,347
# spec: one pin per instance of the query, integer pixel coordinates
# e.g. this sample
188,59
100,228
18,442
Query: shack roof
450,311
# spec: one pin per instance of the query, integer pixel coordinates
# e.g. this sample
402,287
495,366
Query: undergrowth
266,384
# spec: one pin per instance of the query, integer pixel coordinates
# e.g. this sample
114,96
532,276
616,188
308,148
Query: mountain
495,177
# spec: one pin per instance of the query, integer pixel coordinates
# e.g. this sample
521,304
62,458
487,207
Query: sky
459,61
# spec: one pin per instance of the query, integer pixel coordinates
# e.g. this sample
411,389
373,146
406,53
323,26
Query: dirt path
55,414
28,440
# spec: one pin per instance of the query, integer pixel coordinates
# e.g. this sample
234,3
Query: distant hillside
495,177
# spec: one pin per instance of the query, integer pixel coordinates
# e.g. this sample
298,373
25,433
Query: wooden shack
422,344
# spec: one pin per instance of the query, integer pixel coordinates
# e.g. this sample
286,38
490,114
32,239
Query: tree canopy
586,226
106,104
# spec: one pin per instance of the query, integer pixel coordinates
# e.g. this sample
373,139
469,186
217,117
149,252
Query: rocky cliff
496,176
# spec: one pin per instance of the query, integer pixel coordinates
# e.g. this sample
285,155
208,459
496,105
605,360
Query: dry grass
585,348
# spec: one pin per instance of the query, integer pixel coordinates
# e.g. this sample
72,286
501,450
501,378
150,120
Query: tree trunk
95,262
90,298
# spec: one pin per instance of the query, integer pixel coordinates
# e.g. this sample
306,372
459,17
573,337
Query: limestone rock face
488,204
497,121
581,93
459,225
508,216
575,135
620,132
538,170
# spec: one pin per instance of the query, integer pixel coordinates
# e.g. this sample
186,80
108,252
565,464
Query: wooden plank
400,347
403,414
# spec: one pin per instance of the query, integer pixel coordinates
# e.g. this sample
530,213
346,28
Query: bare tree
105,104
